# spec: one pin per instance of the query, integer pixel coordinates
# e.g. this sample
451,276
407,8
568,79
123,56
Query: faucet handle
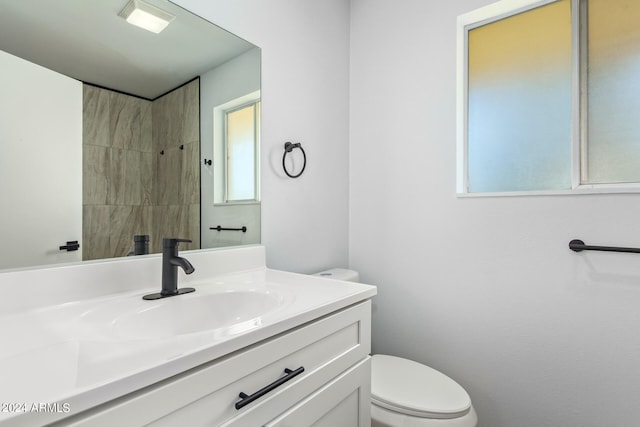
172,242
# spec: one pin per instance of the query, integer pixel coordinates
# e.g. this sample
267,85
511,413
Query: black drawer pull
246,399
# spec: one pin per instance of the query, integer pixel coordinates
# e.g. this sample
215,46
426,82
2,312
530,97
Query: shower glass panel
519,101
613,76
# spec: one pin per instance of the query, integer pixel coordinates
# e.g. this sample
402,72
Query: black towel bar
219,228
578,246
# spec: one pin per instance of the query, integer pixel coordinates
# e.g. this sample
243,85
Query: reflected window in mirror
236,150
242,130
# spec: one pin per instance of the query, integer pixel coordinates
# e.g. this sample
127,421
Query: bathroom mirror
107,131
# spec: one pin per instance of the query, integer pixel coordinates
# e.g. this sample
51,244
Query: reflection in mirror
241,143
105,127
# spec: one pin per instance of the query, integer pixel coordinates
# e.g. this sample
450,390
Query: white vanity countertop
57,360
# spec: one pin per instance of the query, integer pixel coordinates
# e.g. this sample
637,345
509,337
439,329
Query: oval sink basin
226,313
236,311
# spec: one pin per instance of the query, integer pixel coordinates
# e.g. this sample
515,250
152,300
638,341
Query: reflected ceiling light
145,15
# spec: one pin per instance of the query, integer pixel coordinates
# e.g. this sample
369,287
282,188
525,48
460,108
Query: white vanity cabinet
331,386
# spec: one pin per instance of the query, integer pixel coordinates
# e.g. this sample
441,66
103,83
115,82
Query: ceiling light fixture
145,15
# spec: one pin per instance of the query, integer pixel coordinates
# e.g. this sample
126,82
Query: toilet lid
412,388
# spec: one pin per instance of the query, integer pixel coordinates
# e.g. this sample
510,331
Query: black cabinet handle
246,399
70,246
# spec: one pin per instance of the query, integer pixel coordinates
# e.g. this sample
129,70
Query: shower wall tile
165,224
116,177
168,177
133,188
191,112
126,222
190,173
146,126
95,116
96,232
133,178
96,173
193,225
176,123
147,222
124,121
147,172
164,123
126,180
174,108
176,116
180,221
191,136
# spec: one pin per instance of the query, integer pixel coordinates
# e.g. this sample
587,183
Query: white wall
305,90
484,289
41,140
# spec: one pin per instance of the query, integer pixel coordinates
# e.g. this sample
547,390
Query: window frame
579,138
219,150
256,151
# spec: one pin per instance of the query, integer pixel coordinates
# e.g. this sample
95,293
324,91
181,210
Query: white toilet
405,393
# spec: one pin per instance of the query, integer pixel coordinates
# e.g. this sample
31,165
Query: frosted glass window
613,75
241,134
519,98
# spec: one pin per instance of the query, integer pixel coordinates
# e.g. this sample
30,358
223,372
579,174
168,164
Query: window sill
239,203
588,189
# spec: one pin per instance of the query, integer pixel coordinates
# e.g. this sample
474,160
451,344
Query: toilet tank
340,274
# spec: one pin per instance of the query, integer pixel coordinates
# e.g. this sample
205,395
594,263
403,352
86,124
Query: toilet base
381,417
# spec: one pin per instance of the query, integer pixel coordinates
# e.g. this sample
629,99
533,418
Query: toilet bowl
409,394
405,393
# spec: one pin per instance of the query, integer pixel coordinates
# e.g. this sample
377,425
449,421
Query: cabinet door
206,395
345,401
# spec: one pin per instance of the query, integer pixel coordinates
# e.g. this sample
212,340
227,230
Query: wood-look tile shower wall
129,187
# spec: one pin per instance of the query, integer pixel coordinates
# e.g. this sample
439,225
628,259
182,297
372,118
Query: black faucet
170,263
